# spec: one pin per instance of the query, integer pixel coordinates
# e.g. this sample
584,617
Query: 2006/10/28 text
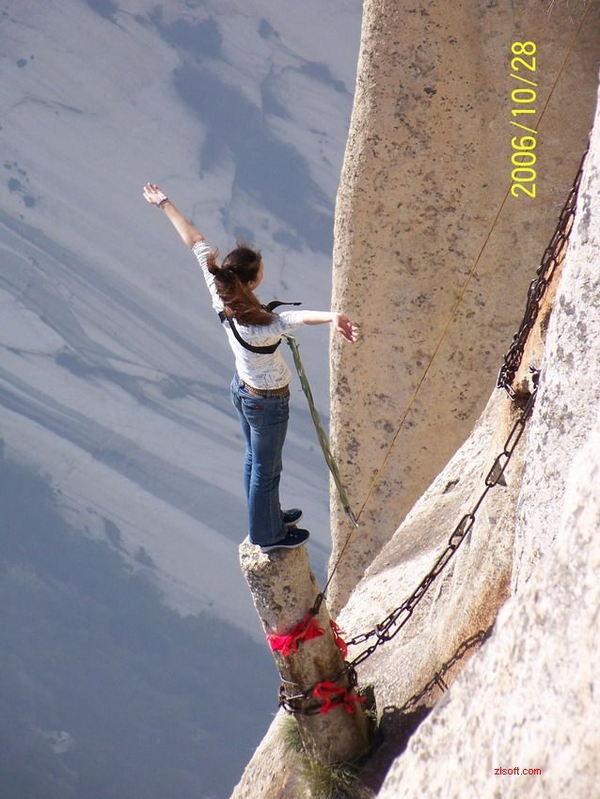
518,772
523,66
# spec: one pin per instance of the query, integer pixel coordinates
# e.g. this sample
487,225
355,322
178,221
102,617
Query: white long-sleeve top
260,370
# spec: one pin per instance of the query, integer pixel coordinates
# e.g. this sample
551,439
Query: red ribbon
305,630
333,696
337,637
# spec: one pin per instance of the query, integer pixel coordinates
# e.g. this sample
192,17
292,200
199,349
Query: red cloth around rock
305,630
337,637
333,696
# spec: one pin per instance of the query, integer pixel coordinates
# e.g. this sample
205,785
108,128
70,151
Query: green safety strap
321,434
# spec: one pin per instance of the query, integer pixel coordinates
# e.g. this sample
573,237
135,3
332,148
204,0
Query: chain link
395,621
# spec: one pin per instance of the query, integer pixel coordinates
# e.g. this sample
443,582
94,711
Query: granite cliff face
425,233
529,699
494,670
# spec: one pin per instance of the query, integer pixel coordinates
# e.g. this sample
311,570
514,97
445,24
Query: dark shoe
295,538
291,516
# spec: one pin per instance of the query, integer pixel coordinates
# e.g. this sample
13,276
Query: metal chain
438,678
296,704
544,274
394,622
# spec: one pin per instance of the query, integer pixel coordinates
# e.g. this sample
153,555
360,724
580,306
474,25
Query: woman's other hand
346,327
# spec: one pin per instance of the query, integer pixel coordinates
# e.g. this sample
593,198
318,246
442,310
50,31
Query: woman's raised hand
346,327
189,235
153,194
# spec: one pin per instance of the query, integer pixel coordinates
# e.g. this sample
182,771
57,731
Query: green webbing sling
321,434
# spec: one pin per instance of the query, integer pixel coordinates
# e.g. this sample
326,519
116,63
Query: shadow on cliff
398,724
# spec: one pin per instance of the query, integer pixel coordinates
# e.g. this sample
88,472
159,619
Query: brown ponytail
239,268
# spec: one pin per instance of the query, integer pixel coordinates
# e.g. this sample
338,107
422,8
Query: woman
260,386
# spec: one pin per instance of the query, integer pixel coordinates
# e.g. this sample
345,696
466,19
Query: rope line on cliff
321,434
306,702
378,471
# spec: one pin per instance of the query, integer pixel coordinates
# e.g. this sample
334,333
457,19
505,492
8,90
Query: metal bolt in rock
284,589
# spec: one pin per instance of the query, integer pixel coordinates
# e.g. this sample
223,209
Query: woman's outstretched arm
342,324
186,230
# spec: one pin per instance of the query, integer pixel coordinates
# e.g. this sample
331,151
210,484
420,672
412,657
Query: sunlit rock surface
422,206
570,391
530,700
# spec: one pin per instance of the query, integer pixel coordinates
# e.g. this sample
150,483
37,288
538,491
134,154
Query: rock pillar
284,589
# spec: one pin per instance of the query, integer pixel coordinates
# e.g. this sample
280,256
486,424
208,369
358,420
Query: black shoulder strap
268,349
270,306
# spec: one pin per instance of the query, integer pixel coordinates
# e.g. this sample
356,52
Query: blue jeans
264,424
